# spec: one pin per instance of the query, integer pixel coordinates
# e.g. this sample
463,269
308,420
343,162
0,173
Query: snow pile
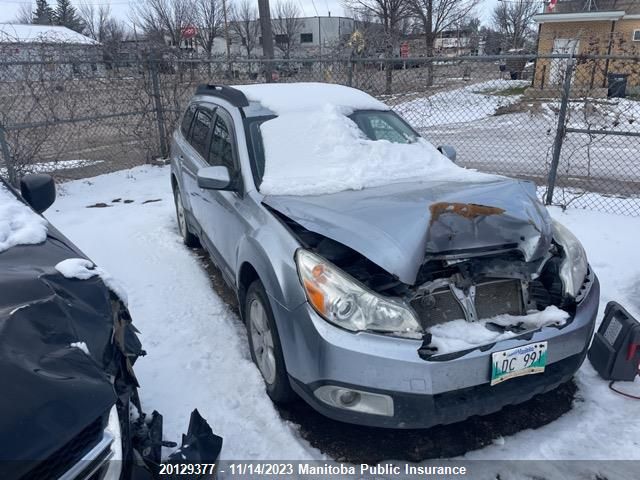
84,269
320,151
474,102
19,225
47,167
459,335
287,97
80,345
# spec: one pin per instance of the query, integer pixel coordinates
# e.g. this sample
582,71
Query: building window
636,35
306,38
282,39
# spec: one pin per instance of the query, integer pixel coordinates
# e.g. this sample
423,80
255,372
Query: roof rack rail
230,94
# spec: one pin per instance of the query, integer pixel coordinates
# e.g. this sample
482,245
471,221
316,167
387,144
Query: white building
56,52
313,36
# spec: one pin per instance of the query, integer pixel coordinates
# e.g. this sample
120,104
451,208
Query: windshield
375,124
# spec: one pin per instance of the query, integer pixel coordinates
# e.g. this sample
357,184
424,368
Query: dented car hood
399,226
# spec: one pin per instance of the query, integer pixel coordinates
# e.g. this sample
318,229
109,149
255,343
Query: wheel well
247,276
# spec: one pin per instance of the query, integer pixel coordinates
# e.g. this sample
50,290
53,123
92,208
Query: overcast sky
120,8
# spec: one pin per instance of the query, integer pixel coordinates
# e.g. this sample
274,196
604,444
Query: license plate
517,362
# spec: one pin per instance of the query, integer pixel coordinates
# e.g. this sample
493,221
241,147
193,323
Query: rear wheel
188,238
264,344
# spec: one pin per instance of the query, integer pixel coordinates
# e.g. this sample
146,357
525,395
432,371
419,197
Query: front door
223,222
562,46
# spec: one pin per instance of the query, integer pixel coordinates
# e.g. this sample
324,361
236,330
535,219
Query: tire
188,238
263,335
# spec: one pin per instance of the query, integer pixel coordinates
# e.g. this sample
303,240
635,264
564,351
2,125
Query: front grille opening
69,454
492,298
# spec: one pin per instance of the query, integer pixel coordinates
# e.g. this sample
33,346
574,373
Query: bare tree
513,20
160,18
286,25
25,13
437,16
245,24
390,14
95,19
208,19
101,26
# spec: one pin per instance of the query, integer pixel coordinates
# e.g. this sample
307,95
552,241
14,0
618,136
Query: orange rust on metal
466,210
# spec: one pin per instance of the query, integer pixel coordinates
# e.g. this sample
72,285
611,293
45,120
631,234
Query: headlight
574,267
115,462
343,301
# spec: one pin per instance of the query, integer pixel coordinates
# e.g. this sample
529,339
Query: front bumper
425,392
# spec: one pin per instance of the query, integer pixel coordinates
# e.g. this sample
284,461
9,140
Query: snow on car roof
19,225
17,33
286,97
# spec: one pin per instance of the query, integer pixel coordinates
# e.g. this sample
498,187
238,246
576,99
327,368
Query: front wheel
188,238
264,344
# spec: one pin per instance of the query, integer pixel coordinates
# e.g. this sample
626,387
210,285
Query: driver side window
221,148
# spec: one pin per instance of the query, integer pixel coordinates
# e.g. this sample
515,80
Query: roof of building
42,34
596,16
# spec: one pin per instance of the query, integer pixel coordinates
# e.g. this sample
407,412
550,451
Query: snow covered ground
197,351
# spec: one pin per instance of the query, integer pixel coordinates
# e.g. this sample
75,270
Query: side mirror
449,152
38,190
214,178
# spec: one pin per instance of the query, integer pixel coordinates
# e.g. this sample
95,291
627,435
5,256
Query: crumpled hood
52,391
397,226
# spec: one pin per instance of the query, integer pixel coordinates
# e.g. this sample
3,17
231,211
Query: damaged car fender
264,253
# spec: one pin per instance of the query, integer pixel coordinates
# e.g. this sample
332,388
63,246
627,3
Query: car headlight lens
574,267
343,301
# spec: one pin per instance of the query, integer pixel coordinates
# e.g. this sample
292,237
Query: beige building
583,27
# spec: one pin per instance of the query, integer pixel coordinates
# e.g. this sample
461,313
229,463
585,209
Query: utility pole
226,28
267,36
226,37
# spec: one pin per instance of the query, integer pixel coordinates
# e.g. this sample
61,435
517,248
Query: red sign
189,31
404,49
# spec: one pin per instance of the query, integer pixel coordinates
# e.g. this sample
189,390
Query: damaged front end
503,264
67,352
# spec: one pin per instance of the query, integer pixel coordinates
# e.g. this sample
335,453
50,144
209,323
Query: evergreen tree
66,15
43,14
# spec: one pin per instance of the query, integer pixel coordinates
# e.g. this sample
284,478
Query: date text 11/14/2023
327,469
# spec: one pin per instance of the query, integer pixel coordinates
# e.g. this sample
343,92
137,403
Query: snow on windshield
19,225
320,150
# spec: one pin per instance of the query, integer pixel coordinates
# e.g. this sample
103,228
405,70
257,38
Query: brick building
589,27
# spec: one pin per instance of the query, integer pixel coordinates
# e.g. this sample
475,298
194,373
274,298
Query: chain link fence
571,125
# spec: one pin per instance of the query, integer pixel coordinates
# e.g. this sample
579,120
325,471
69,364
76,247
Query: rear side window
186,120
221,151
200,131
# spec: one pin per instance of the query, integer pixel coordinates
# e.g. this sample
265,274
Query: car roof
276,98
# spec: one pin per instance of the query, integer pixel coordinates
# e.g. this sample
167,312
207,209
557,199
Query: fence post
560,131
155,83
6,154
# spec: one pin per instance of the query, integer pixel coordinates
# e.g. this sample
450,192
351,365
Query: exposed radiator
492,298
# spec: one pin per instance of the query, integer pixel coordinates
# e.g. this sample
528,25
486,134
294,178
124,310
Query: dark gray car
406,304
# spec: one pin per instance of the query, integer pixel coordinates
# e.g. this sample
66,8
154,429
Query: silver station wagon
379,281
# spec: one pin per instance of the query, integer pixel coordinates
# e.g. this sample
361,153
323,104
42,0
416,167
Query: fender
280,280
